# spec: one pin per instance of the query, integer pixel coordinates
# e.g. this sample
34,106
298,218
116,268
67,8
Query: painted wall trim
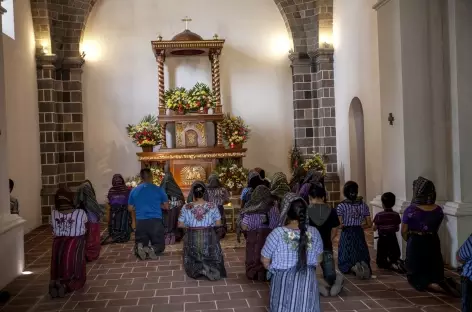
379,4
9,222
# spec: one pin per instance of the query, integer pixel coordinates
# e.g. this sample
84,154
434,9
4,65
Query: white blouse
70,224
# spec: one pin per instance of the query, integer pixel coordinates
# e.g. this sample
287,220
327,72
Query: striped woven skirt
223,228
94,245
119,225
294,291
68,262
202,254
255,241
352,248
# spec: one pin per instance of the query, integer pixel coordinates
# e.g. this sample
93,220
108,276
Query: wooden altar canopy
192,158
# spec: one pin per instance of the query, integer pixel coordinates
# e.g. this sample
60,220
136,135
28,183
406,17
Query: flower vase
180,112
169,112
147,149
236,145
210,111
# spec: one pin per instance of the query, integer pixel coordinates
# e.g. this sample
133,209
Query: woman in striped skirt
354,215
290,255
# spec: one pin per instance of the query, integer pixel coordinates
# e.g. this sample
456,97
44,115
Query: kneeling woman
421,222
118,216
258,218
86,199
290,254
203,256
353,252
68,271
176,201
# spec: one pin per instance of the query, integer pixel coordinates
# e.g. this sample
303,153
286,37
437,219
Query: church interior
379,88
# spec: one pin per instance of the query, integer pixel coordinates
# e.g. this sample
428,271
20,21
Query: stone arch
61,23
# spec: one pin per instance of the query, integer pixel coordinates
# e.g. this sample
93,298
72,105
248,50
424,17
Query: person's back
464,255
14,206
147,201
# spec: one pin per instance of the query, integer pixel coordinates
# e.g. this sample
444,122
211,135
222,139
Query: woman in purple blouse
420,225
313,176
258,218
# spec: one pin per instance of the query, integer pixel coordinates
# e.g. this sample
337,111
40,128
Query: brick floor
117,282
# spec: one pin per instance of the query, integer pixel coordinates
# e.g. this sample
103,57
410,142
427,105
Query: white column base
456,228
12,260
400,206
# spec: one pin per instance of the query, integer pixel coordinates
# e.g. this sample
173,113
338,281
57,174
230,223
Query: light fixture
45,47
26,272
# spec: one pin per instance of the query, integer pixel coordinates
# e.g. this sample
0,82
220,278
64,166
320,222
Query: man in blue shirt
464,255
148,200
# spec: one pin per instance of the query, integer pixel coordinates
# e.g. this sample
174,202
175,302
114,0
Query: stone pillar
412,81
314,113
11,226
49,139
459,208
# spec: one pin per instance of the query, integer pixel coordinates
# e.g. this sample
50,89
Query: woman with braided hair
354,215
313,176
253,181
290,254
297,179
258,218
202,253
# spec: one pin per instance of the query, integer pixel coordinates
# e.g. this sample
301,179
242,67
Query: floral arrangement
177,100
295,158
234,130
146,133
316,162
157,176
201,97
231,175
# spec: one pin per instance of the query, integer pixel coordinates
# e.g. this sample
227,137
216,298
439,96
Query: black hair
388,200
12,184
297,211
351,190
317,191
198,191
255,182
144,173
262,174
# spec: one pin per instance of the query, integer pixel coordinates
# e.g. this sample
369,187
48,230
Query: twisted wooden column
215,71
160,76
163,136
219,134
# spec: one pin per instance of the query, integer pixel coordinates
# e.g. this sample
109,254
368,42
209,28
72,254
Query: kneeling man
147,201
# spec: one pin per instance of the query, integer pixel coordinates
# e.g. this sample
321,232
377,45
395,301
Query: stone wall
59,26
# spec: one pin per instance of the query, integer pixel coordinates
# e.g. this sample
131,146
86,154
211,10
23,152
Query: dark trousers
328,267
151,232
466,294
388,250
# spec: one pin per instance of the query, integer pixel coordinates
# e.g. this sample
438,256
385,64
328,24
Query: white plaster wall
24,165
356,73
120,76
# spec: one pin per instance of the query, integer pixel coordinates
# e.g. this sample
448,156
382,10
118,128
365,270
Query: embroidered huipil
69,224
199,215
281,247
257,220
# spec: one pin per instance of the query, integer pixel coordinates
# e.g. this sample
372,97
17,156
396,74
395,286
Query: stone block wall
59,26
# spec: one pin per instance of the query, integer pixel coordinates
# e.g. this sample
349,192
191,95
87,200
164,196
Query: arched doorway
356,144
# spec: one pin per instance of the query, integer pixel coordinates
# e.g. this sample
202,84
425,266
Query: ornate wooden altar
192,158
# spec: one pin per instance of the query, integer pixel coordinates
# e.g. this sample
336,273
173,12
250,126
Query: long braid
303,244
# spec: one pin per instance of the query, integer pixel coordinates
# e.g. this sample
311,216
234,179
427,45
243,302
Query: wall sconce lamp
82,56
391,119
